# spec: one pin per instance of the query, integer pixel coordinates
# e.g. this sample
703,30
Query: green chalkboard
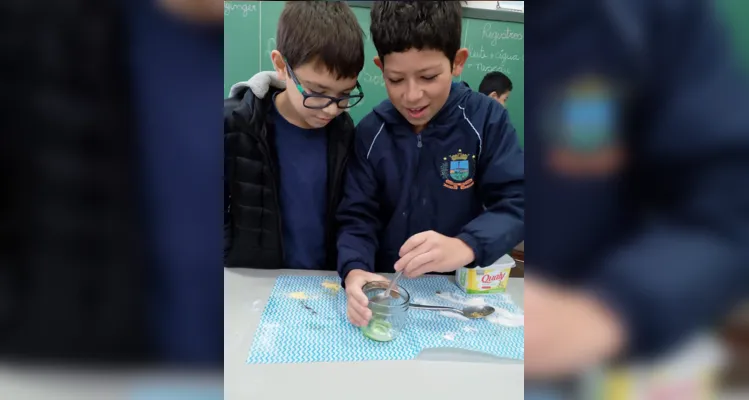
493,44
736,14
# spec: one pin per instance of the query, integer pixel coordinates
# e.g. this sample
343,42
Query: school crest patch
458,170
586,138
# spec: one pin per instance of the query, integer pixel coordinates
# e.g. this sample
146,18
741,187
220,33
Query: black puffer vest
252,213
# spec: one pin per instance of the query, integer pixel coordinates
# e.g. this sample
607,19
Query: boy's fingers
356,294
355,317
406,258
413,242
420,260
360,309
363,279
423,269
358,301
373,278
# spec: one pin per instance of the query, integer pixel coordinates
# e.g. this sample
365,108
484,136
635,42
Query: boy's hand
432,252
567,331
356,301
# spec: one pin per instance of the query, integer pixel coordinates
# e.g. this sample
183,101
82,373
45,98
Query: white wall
492,5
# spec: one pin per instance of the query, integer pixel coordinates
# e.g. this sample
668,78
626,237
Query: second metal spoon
473,312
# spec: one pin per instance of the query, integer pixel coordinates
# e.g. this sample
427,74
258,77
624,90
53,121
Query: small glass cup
389,316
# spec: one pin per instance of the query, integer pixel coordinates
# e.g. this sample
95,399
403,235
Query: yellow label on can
486,280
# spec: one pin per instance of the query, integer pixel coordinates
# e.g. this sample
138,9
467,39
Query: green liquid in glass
378,330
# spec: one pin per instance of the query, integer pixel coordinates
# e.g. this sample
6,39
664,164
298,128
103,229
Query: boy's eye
430,78
395,80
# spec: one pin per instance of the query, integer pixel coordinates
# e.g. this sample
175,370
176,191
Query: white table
434,374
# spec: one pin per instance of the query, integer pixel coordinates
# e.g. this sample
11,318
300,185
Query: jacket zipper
414,189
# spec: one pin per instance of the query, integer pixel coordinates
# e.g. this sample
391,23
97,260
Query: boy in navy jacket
641,234
436,181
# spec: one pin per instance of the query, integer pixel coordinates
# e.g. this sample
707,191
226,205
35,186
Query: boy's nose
331,110
413,94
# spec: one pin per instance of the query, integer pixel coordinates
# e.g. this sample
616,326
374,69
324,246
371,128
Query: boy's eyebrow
419,71
323,87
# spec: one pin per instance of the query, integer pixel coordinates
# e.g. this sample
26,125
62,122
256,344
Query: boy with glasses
286,150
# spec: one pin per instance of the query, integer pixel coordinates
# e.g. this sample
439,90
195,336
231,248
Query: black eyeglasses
318,101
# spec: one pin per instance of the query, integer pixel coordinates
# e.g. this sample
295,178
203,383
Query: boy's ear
494,95
460,60
278,64
378,63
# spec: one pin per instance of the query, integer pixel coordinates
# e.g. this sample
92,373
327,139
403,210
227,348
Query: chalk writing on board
495,36
500,55
270,45
489,68
375,79
245,7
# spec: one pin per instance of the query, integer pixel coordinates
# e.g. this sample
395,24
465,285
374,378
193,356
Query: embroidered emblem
586,140
589,116
457,170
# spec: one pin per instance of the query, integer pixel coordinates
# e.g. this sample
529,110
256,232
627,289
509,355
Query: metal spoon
380,297
472,312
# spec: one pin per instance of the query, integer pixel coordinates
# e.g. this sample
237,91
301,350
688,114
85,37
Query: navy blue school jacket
662,235
462,176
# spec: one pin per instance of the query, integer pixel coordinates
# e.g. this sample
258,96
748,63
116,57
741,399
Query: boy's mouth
416,112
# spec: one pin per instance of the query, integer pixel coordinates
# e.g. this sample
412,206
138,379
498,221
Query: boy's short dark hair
495,82
324,32
398,26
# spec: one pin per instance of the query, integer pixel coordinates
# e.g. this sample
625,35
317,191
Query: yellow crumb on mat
333,286
298,295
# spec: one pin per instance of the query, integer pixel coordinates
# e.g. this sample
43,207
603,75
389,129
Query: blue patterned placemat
305,321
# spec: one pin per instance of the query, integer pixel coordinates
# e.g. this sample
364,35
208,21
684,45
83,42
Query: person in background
436,181
286,150
497,86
